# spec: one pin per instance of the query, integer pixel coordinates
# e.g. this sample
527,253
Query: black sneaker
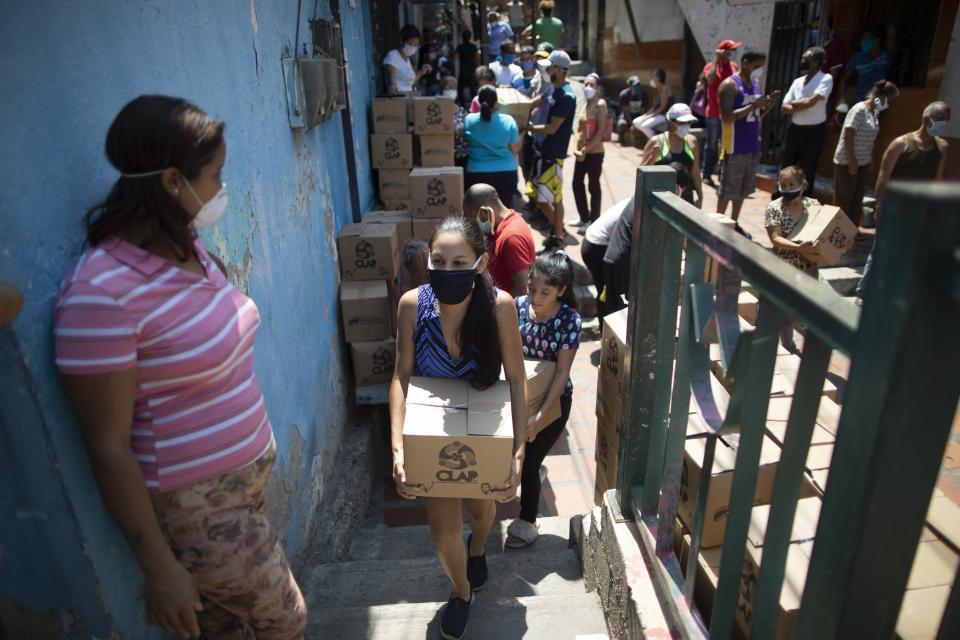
709,181
476,568
743,232
579,224
453,622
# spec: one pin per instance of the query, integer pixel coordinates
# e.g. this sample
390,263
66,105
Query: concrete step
543,570
572,616
844,280
391,543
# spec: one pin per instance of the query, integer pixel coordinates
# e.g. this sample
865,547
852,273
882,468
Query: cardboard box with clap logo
457,440
402,219
373,361
368,251
397,205
435,151
423,228
391,115
394,184
433,115
830,230
511,102
391,150
436,192
365,306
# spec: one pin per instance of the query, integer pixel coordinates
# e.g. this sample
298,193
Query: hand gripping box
436,192
368,251
830,230
457,440
433,115
365,306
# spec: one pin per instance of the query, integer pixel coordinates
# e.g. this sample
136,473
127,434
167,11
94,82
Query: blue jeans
862,286
710,155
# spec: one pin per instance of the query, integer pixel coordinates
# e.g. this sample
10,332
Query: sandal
521,534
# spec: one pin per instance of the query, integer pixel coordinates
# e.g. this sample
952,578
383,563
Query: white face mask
409,50
589,92
756,74
683,130
653,83
211,211
880,104
450,93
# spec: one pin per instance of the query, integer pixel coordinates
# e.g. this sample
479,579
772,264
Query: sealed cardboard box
365,306
402,219
390,115
708,573
712,269
788,366
423,228
747,306
402,204
511,102
794,578
600,487
457,440
391,150
539,376
373,361
721,482
394,184
368,251
921,611
830,230
435,150
607,451
613,359
944,518
436,192
433,115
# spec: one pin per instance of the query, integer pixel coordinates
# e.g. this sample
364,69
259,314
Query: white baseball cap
680,112
557,58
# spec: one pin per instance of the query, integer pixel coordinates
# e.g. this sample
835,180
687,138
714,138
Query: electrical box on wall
314,85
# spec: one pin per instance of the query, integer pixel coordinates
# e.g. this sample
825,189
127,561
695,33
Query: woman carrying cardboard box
550,330
459,326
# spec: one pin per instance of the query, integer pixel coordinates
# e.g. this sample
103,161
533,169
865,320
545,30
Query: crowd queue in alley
155,345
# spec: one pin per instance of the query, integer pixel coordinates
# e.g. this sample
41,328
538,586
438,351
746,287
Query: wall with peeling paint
66,71
749,21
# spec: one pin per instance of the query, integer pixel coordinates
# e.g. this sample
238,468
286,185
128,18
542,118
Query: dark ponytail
487,96
478,332
557,270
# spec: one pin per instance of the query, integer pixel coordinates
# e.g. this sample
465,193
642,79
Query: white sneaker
521,534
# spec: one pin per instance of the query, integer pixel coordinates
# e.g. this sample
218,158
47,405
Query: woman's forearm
518,402
397,413
126,497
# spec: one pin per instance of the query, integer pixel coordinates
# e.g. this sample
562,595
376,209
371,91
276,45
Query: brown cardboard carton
457,440
373,361
391,115
708,573
433,115
394,184
831,231
747,306
423,228
402,204
391,150
511,102
712,270
788,366
435,150
794,578
805,520
943,517
368,252
721,482
539,376
777,430
402,219
436,192
607,451
613,360
935,564
819,456
365,307
921,611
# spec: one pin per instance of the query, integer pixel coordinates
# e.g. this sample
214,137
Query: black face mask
790,196
804,65
452,286
553,77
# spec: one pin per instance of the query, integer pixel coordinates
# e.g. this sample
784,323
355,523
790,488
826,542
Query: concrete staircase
392,587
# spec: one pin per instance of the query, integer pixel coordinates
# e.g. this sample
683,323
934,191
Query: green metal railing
898,407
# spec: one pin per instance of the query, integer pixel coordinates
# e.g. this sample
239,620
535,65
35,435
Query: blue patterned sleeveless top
433,359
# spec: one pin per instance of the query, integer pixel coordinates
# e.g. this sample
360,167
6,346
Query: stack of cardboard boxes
610,388
412,149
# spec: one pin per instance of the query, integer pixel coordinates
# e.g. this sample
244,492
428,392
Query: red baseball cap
728,45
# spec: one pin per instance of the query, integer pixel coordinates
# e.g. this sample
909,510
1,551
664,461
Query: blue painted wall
65,71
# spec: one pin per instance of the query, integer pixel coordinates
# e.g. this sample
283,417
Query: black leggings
590,167
533,458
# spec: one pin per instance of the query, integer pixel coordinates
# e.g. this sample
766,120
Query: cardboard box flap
921,611
769,451
362,289
434,421
804,521
819,456
351,230
437,392
794,575
934,565
489,411
383,217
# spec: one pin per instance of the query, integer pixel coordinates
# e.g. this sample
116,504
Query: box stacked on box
402,219
610,387
436,190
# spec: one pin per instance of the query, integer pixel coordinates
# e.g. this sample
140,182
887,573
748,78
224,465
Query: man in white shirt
505,69
806,103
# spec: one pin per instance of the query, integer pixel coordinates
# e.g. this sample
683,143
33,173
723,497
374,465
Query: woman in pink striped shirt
156,352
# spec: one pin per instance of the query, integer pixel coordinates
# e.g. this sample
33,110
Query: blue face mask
937,127
507,58
527,65
866,46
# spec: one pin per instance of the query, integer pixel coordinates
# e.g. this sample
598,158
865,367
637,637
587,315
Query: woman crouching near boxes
549,330
459,326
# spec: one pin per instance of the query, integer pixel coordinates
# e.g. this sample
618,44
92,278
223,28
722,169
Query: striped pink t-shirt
198,410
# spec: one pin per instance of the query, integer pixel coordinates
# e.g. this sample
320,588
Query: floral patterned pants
219,531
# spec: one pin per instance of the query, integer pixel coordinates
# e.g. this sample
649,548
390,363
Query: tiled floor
568,488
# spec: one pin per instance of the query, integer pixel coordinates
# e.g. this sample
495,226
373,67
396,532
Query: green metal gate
897,409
